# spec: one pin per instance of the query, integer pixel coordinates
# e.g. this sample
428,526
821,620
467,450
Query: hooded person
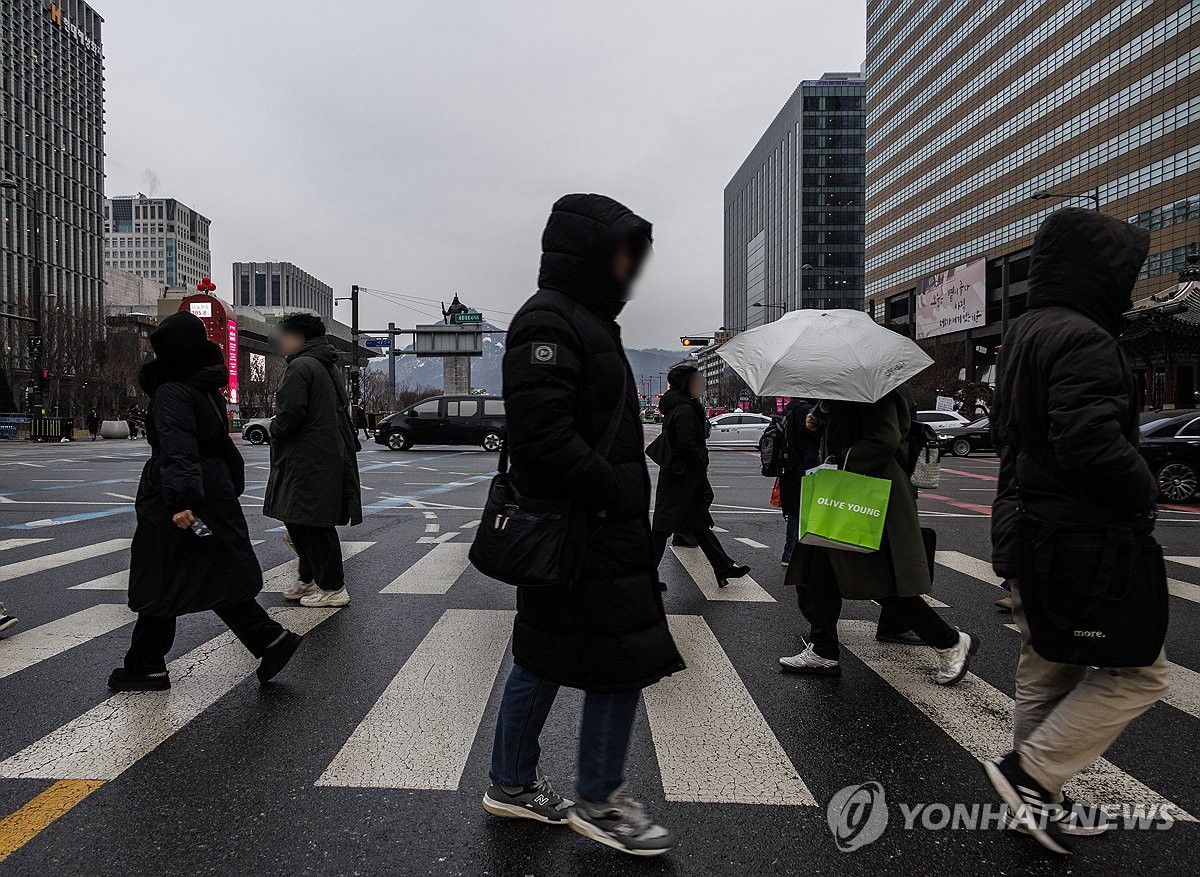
684,495
574,434
313,486
1065,423
191,550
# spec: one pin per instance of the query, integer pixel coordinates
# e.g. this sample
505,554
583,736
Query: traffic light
695,341
355,386
44,382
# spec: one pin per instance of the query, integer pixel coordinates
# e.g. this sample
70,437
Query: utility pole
392,363
354,340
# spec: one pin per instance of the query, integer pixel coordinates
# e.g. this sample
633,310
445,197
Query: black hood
319,349
1088,262
578,245
203,366
672,399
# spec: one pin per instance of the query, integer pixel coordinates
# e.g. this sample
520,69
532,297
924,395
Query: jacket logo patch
544,353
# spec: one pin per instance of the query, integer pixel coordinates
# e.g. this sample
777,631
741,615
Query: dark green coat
873,440
314,459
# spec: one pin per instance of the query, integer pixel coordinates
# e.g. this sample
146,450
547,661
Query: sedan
738,429
257,431
961,441
943,419
1171,446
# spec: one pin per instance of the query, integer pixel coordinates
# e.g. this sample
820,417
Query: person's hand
183,519
811,422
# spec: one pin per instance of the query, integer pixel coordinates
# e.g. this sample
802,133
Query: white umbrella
840,355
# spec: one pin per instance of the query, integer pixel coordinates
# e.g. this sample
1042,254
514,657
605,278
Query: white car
257,431
942,419
737,429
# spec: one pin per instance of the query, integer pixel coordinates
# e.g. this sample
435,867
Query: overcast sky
416,147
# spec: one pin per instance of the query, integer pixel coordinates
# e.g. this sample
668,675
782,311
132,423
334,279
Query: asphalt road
369,754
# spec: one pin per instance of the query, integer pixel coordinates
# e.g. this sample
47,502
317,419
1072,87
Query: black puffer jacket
1064,417
314,459
565,380
804,452
193,465
683,498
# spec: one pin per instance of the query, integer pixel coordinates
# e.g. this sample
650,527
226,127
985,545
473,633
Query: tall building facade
157,238
52,168
794,209
1047,104
280,284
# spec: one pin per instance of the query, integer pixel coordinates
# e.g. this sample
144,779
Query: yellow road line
23,825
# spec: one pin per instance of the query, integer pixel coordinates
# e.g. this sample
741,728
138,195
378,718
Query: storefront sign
952,300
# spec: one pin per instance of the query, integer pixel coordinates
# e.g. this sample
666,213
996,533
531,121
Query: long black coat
1064,416
684,495
565,380
193,465
803,453
872,439
314,452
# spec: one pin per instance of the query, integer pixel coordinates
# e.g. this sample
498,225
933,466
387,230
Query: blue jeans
791,525
603,735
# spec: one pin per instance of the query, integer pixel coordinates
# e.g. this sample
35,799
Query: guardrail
22,427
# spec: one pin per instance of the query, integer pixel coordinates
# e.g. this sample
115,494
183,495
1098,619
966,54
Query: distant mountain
420,371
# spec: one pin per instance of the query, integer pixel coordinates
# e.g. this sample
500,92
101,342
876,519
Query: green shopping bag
843,510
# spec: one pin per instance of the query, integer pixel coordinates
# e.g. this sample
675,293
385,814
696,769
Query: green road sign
467,317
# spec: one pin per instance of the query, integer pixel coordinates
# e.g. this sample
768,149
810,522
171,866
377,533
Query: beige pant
1066,715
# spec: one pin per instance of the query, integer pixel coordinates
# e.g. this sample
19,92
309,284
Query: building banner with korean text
952,300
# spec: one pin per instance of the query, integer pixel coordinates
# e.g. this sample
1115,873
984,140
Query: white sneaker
811,663
320,597
954,662
300,589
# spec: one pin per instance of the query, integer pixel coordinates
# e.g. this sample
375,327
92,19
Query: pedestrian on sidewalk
803,453
684,494
313,486
872,439
575,434
191,550
1065,421
93,424
360,421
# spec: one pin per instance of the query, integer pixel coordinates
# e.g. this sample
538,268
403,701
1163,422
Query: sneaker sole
582,826
811,671
1013,825
966,667
516,811
7,624
1016,805
290,595
326,604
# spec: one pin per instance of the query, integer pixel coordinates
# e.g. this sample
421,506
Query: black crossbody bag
1093,595
528,542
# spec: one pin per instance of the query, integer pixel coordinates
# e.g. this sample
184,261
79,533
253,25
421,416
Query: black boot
732,572
277,656
123,680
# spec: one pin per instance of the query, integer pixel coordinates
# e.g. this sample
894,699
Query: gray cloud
417,147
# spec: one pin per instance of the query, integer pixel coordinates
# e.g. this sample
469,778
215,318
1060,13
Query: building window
275,288
260,289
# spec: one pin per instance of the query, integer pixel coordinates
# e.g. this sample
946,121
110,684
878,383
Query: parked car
961,441
257,431
737,429
1171,445
445,420
943,419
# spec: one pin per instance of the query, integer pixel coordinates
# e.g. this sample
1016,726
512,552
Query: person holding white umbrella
855,367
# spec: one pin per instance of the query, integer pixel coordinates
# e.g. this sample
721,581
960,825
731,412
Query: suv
446,420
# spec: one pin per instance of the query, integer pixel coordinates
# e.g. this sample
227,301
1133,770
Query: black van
445,420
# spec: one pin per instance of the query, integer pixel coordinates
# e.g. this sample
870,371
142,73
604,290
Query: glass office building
1083,102
794,209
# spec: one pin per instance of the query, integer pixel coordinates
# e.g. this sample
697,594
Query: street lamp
1093,196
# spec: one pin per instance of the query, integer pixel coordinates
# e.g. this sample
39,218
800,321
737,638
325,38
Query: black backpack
773,446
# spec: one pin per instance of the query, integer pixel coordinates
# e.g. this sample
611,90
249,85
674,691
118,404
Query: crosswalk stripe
750,542
119,580
1184,590
419,734
434,573
1185,561
744,590
280,578
713,744
39,643
968,566
6,544
978,717
437,540
106,741
1183,685
61,558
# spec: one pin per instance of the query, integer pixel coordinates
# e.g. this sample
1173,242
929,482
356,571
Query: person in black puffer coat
574,432
194,474
803,454
684,494
1065,423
